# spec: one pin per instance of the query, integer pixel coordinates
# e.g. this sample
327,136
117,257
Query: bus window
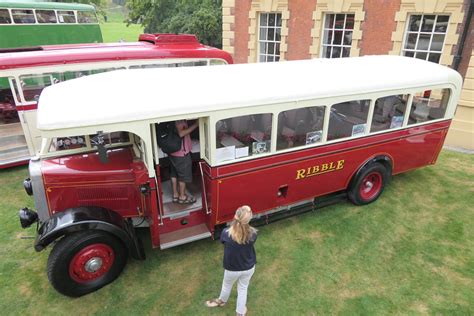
66,17
46,16
348,119
300,127
23,16
86,17
32,85
193,63
243,136
5,17
429,105
389,112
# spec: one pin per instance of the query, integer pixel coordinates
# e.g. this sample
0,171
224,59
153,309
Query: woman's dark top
238,257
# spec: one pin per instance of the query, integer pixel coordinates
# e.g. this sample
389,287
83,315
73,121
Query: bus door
181,220
13,145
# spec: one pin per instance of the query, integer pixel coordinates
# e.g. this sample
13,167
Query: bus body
29,71
47,23
279,146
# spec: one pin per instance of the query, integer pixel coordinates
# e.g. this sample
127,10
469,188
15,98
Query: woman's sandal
215,302
175,199
188,200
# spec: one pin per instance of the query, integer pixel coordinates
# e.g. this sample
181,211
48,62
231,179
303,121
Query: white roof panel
131,95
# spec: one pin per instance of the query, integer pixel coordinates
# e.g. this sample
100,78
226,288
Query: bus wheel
368,185
85,261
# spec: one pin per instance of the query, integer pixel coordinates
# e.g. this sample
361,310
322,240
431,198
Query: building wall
379,28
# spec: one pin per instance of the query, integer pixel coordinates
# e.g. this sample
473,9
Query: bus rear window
348,119
86,17
46,16
23,16
66,17
429,105
5,17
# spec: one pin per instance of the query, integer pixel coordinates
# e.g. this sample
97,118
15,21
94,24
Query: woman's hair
240,231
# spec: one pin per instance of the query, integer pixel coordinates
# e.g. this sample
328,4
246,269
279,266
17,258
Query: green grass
115,29
410,252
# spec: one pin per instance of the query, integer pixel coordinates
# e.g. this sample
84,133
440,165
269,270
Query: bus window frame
48,23
13,20
9,16
276,109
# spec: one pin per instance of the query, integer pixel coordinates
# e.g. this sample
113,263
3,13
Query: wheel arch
383,159
89,218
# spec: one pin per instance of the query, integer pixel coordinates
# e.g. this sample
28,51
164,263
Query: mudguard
87,218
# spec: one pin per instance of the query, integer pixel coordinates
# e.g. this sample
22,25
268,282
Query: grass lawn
115,29
410,252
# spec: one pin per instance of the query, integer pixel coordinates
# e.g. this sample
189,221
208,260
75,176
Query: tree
200,17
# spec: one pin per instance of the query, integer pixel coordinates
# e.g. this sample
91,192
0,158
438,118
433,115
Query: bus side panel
267,183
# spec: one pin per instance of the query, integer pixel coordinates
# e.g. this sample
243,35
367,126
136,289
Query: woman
239,259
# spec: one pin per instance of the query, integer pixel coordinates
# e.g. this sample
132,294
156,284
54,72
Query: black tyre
369,184
85,261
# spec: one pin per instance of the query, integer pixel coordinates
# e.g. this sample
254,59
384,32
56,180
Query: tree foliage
200,17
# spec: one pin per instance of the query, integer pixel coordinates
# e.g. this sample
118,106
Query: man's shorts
181,168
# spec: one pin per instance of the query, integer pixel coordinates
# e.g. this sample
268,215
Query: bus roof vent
159,38
20,49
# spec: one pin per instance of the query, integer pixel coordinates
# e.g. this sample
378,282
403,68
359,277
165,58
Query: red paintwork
264,183
257,182
370,186
77,267
82,180
88,53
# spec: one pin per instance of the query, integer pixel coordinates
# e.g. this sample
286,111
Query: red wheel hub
91,263
370,186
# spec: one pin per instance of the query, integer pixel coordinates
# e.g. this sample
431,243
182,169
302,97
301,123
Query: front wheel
85,261
369,184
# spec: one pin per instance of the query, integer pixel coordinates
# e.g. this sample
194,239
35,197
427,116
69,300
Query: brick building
436,30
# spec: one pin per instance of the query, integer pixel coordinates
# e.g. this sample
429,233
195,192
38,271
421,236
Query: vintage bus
47,23
26,73
318,129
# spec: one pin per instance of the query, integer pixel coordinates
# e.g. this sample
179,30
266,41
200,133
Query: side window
66,17
23,16
46,16
429,105
32,85
243,136
348,119
389,112
86,17
300,127
5,17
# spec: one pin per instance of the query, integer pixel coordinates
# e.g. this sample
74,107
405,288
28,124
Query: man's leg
174,186
182,190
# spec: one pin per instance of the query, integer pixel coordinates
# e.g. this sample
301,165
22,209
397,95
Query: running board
184,236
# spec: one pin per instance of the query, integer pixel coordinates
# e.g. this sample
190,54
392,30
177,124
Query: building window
337,35
424,37
269,37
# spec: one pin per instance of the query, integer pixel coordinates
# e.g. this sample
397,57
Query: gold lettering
315,170
300,174
324,167
340,164
331,165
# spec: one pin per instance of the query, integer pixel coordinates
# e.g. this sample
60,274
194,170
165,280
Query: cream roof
131,95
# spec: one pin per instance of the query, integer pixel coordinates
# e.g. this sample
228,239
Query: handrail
204,200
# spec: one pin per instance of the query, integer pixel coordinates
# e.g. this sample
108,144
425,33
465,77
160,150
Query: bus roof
151,46
132,95
28,4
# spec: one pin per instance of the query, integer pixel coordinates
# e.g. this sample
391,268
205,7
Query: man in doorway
181,164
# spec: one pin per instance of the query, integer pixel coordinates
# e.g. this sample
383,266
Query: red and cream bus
25,72
319,128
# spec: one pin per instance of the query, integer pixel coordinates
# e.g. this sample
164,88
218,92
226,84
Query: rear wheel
85,261
369,184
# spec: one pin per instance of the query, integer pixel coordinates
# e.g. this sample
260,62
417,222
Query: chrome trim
39,194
